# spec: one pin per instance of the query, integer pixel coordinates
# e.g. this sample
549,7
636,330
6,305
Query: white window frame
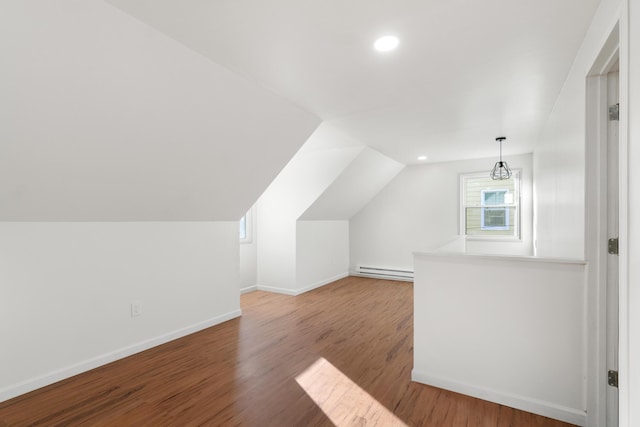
517,232
248,229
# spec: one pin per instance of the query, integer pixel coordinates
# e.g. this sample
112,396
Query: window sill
505,239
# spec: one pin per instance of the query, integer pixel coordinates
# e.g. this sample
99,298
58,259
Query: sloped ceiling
313,169
105,119
358,183
465,72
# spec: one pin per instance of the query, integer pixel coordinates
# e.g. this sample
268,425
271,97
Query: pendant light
501,169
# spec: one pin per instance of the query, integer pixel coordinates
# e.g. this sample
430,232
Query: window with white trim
245,229
490,208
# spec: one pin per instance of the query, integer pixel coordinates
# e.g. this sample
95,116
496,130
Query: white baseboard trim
248,289
44,380
322,283
275,290
546,409
296,292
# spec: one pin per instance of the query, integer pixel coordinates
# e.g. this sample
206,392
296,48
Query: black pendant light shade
501,169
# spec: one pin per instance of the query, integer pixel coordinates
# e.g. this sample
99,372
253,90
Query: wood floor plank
244,372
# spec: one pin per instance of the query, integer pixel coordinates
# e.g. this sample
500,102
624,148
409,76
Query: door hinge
612,378
613,246
614,112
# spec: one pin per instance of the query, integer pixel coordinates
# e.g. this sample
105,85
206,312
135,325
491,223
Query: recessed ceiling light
422,158
386,43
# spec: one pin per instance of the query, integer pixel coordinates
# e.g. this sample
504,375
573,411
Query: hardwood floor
349,344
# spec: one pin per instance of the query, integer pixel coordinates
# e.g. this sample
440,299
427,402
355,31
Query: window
244,228
494,218
490,208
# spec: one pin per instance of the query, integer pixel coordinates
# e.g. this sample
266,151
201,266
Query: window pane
243,227
490,221
494,197
495,217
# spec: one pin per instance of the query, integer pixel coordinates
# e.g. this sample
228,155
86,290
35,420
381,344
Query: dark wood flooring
348,343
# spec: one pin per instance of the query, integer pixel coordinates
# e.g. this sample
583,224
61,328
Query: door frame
596,223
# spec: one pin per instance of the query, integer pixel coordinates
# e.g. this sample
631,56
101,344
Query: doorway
602,203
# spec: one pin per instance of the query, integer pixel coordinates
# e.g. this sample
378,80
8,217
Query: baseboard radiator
385,273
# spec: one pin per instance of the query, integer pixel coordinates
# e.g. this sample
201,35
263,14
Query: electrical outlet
135,309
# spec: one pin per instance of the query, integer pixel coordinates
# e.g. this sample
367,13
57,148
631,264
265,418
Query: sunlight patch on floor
342,400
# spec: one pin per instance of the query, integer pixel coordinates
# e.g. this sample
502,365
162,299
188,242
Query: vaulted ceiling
465,71
105,119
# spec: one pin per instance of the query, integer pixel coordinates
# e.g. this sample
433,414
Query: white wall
107,119
419,211
322,253
276,251
560,202
323,157
559,156
365,176
503,329
66,291
302,214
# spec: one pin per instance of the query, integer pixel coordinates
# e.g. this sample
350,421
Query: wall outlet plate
135,309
